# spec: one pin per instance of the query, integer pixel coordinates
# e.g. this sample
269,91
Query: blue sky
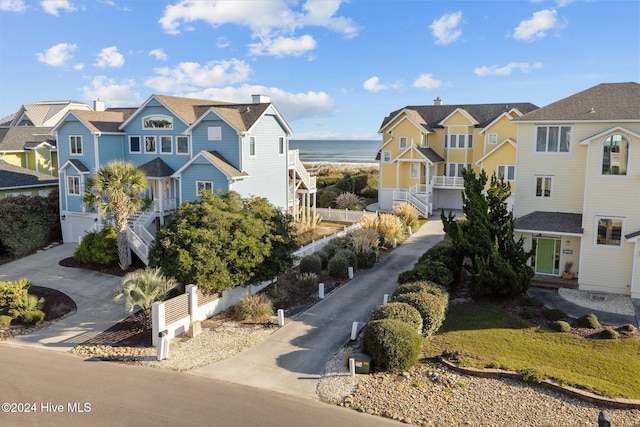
333,68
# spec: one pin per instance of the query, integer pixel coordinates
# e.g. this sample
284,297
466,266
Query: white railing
342,215
138,245
165,205
448,181
294,161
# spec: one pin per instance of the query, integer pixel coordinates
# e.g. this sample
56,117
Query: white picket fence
342,215
174,316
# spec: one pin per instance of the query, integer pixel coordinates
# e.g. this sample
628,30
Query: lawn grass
485,335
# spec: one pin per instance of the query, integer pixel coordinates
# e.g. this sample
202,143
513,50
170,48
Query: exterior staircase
139,237
417,196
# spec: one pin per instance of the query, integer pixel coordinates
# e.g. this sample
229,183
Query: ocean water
336,151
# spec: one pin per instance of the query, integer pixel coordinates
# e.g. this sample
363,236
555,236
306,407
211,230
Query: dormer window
615,155
157,122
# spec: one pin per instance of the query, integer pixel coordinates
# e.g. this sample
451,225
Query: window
492,138
543,186
75,142
73,185
609,231
386,156
458,141
281,145
506,172
553,139
403,142
18,194
44,193
615,155
214,133
134,144
157,122
252,145
149,144
166,142
415,168
182,145
455,169
204,186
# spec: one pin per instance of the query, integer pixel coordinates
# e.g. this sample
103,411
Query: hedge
392,344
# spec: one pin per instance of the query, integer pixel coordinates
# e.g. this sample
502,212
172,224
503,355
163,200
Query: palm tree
142,288
117,187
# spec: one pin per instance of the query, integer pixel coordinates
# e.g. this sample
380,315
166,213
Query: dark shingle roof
101,121
550,222
79,165
430,154
223,164
156,168
12,176
17,138
482,113
606,101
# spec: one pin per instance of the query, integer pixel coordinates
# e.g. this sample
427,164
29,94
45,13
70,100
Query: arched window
157,122
615,155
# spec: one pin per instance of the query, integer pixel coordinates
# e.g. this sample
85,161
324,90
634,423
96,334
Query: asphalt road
61,389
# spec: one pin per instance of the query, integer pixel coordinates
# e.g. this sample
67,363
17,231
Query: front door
547,256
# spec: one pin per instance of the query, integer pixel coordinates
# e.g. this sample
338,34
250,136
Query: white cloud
506,70
292,106
283,46
12,5
222,42
271,22
445,30
538,25
373,85
52,7
113,93
189,76
159,54
109,57
58,55
426,81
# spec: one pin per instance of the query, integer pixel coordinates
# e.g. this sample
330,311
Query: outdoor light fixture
64,217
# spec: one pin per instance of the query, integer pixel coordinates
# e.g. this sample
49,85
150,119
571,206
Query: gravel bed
611,303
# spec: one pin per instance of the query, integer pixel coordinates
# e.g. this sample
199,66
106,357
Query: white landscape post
350,272
321,290
385,299
280,317
352,366
354,330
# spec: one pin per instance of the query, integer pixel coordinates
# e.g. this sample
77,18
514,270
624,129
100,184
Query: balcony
454,182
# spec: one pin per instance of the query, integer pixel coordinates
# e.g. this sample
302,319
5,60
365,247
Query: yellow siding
16,159
505,155
45,164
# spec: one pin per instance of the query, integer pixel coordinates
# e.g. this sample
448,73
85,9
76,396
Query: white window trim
628,165
69,187
204,183
417,170
535,187
252,146
406,142
506,168
71,153
458,169
214,133
384,156
546,151
140,143
467,138
281,145
491,136
145,144
168,118
170,144
595,233
188,146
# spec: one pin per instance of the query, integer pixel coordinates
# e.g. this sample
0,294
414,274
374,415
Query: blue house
184,146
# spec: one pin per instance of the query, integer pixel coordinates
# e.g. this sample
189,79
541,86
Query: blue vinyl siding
88,151
112,147
73,202
267,169
201,171
227,146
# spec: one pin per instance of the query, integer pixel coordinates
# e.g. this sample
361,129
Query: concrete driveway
90,290
292,359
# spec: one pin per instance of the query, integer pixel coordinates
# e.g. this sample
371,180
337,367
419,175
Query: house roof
222,164
604,102
104,121
430,154
12,176
17,138
76,164
156,168
550,222
484,114
42,114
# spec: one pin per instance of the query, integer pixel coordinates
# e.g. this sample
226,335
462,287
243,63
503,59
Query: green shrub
365,244
335,244
392,344
589,321
529,313
13,291
98,247
311,264
5,320
444,252
533,302
554,314
349,201
338,267
432,308
398,311
253,308
306,280
628,328
28,309
609,334
431,270
418,286
327,197
390,227
560,326
349,255
533,375
324,256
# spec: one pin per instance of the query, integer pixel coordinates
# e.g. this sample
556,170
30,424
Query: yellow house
425,148
577,180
